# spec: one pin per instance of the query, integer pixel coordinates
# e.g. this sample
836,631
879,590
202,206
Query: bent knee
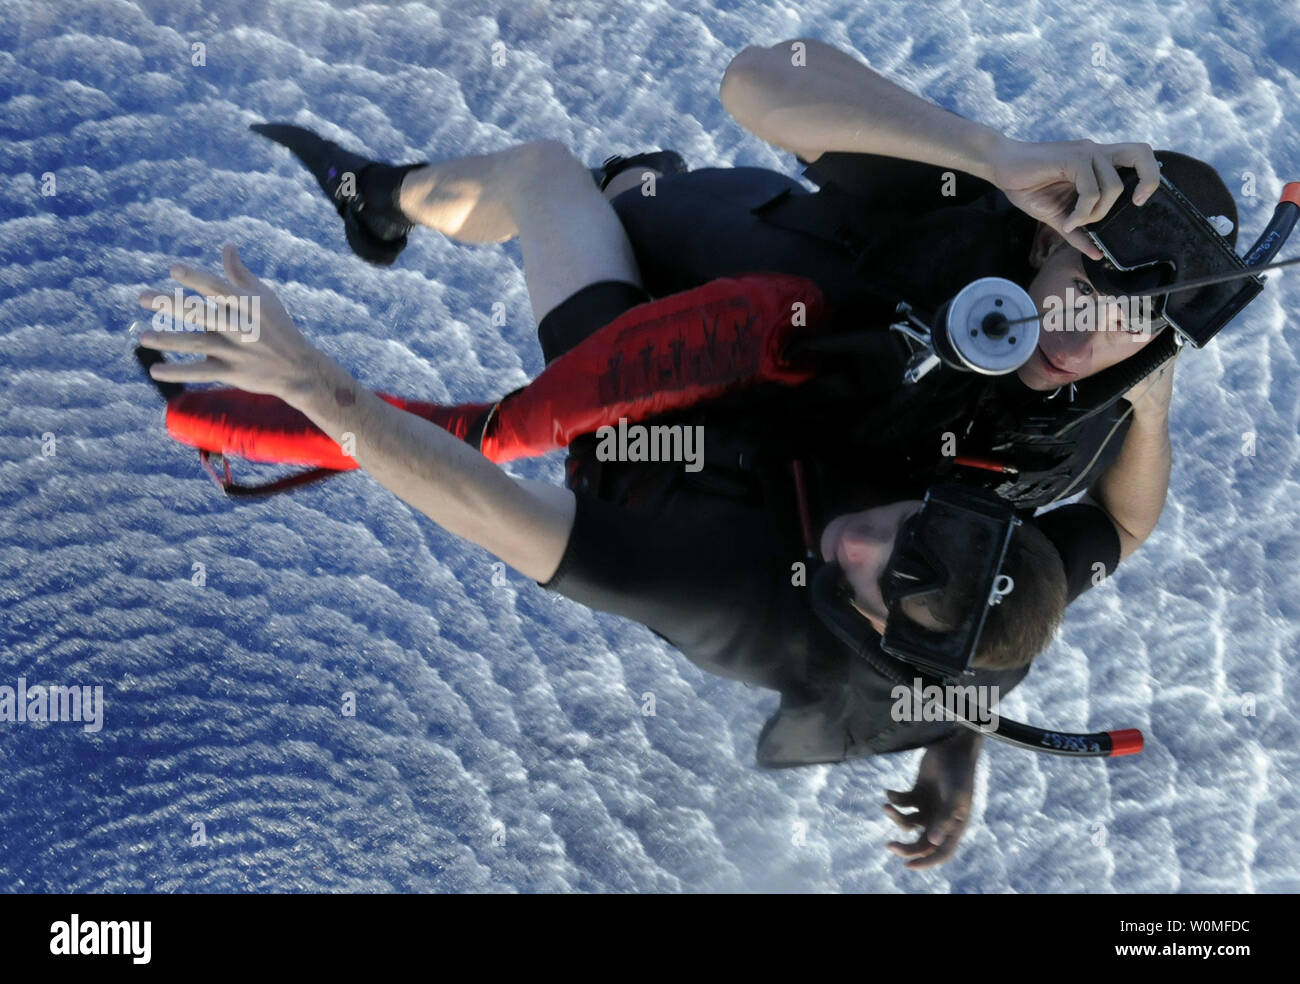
546,160
550,153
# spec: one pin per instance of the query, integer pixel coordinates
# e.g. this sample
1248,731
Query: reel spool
974,332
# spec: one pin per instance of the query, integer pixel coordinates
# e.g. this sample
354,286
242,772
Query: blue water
498,743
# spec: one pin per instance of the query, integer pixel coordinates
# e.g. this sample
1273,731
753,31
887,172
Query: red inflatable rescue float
661,356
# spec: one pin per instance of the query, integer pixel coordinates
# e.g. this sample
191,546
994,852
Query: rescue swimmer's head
1061,290
1114,333
1016,630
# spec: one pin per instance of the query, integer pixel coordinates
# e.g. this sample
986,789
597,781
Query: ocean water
498,742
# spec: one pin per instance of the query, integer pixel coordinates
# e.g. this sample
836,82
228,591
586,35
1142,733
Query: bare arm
526,524
827,100
1133,489
834,102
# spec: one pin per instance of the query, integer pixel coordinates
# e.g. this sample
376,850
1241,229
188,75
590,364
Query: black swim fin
374,225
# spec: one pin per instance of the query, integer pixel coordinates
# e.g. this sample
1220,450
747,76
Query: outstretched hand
247,336
1069,184
941,798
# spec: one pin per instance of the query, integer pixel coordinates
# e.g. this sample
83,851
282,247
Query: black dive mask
1167,239
942,577
954,548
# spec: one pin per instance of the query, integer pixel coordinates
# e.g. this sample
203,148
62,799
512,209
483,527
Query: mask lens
914,567
938,580
1165,241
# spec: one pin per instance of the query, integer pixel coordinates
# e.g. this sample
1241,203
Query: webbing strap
233,488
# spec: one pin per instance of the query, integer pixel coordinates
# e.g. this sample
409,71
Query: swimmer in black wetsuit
718,582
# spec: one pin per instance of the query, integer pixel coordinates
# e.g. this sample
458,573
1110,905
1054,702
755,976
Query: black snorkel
974,528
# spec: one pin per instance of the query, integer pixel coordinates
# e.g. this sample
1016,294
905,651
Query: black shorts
585,312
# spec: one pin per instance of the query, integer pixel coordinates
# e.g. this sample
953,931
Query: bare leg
539,191
467,198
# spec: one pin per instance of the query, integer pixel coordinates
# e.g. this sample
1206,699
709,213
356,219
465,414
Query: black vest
877,231
863,436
